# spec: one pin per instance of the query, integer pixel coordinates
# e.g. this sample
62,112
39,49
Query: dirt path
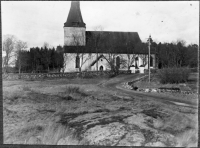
116,83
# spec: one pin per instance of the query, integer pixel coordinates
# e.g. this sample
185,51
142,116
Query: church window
136,63
118,61
77,62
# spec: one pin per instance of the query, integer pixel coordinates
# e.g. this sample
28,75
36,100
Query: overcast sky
42,21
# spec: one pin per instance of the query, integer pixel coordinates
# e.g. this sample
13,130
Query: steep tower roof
74,17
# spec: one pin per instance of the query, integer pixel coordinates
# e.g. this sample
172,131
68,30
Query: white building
99,50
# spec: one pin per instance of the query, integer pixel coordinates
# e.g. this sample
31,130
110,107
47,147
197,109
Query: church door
101,68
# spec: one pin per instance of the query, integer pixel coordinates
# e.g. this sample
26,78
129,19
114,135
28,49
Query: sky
36,22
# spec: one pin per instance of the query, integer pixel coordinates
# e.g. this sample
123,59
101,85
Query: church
100,50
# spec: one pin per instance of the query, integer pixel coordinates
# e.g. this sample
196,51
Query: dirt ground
82,112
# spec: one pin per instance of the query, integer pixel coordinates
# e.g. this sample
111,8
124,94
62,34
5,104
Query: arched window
118,62
136,63
101,68
151,61
77,61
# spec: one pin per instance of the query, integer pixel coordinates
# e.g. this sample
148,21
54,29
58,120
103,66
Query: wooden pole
149,60
149,41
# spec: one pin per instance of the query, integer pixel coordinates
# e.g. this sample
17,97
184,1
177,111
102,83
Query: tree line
42,59
47,59
177,54
18,58
174,54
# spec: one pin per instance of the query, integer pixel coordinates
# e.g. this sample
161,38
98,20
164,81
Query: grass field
191,85
81,112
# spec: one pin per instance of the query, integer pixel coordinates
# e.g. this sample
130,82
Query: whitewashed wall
71,32
70,60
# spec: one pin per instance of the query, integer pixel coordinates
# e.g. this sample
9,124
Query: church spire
74,17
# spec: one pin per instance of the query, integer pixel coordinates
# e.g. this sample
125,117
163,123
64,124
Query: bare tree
59,58
131,59
78,41
130,53
192,55
97,39
181,52
47,55
110,58
143,56
122,63
9,42
20,45
115,60
111,55
66,58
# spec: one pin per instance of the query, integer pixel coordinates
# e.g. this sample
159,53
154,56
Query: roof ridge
113,31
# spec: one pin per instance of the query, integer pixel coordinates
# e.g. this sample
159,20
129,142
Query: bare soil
88,112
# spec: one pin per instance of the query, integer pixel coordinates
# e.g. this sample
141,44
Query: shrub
174,75
194,69
26,88
30,79
137,71
75,90
87,75
153,70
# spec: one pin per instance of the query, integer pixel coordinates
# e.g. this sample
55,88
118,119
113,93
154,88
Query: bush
174,75
75,90
137,71
151,70
26,88
194,69
87,75
72,90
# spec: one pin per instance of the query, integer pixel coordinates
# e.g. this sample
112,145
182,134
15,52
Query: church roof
74,18
110,42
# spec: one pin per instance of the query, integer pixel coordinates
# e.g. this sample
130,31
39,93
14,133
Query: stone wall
70,75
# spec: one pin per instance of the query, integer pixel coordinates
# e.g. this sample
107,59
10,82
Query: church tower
74,27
